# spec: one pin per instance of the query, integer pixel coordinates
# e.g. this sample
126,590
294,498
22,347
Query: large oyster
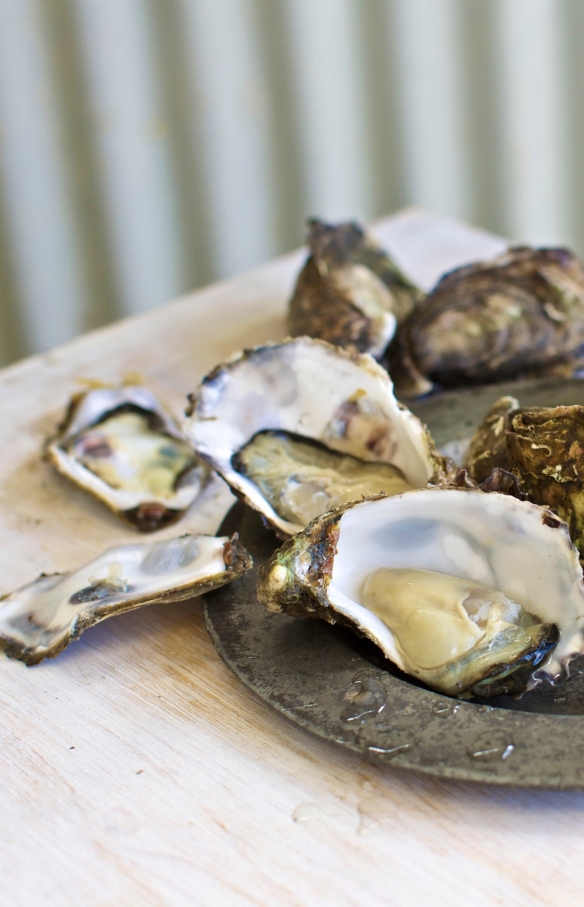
40,619
349,291
522,312
123,447
544,448
464,590
298,427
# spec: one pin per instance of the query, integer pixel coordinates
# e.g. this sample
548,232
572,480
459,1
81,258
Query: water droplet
390,750
445,709
484,708
307,812
491,747
365,699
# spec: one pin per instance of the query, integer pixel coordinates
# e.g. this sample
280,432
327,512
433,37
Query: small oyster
39,620
124,448
544,448
298,427
466,591
522,312
349,291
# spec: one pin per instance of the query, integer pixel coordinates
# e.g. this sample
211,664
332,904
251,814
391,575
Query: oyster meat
39,620
299,427
124,448
349,291
544,448
469,592
522,312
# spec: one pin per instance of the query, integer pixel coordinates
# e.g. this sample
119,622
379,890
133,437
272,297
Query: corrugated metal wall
149,146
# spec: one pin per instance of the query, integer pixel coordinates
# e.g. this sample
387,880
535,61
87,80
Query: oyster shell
39,620
543,447
123,447
464,590
519,313
349,291
298,427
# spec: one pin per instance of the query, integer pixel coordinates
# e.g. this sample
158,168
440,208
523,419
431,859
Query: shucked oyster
299,427
40,619
123,447
463,590
521,312
544,448
349,292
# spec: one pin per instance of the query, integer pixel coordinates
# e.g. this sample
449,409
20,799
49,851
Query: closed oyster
298,427
39,620
123,447
466,591
523,312
349,292
544,448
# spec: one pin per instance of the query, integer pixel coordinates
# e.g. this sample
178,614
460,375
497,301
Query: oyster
124,448
466,591
39,620
543,447
298,427
349,291
521,312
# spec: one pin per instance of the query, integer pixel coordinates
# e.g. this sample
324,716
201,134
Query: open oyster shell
521,312
298,427
349,291
39,620
465,591
122,446
543,447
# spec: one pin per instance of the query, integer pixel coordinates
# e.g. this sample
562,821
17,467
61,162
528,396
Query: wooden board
136,770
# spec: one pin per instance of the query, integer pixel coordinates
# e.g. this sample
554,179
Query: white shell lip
42,618
311,388
489,538
90,408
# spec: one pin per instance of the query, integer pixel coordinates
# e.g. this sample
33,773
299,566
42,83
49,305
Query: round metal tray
340,688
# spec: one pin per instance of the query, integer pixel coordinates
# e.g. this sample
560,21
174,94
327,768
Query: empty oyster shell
543,447
349,292
39,620
124,448
298,427
463,590
522,312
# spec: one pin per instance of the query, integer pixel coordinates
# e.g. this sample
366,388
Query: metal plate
340,688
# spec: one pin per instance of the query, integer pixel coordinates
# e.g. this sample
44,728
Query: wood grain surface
136,770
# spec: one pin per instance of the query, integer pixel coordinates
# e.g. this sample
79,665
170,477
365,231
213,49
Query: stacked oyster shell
302,426
464,587
519,314
451,581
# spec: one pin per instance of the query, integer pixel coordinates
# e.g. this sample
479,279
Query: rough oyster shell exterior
349,291
544,448
519,314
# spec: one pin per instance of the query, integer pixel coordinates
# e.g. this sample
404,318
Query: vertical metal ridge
530,76
328,81
42,240
101,299
426,37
